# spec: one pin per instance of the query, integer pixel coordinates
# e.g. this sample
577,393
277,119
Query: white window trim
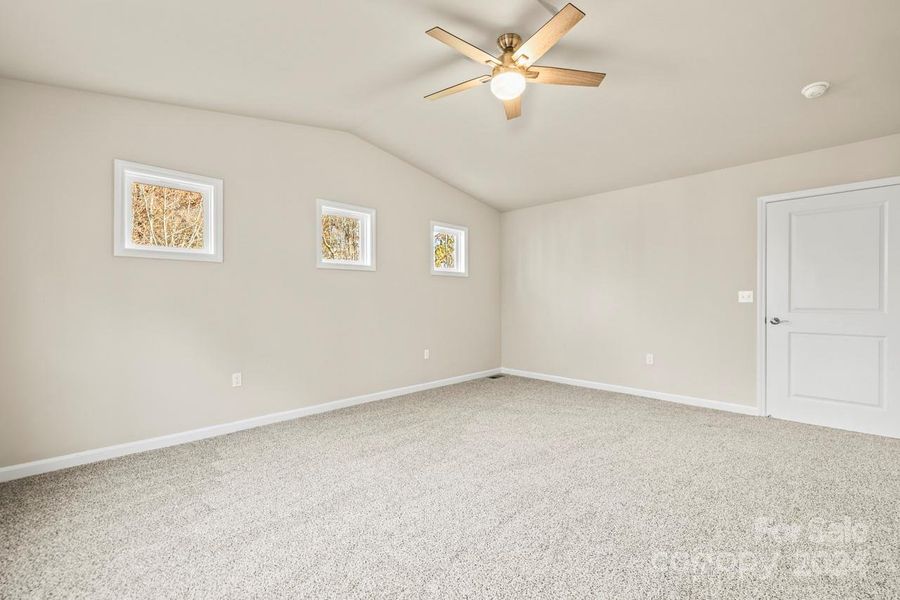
462,248
367,236
128,172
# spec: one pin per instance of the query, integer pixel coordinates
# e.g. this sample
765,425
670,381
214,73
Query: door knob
777,321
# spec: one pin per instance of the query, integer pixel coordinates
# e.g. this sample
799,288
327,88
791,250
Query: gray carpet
490,489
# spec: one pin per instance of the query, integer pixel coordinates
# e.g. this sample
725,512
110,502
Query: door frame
761,330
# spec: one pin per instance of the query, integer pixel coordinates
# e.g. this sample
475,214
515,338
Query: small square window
345,235
449,249
160,213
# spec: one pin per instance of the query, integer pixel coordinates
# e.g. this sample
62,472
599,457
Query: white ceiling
692,85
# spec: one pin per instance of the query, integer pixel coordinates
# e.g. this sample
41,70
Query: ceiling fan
515,66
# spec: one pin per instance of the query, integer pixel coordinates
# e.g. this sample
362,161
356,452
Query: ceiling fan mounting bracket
509,42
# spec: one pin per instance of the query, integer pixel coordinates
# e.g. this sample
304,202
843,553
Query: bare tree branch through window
168,217
340,238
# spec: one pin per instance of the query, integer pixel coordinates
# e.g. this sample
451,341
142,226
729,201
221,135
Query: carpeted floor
505,488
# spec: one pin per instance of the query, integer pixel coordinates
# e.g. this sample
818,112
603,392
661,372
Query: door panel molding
864,344
877,212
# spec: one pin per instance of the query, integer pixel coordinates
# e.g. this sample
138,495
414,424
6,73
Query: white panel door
833,310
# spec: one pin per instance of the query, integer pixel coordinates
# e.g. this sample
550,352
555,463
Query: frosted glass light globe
508,85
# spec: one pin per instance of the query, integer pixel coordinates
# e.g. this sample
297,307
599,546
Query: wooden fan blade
459,87
557,76
461,45
545,37
513,108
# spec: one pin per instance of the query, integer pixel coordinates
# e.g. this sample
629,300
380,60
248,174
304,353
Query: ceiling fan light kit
514,68
507,84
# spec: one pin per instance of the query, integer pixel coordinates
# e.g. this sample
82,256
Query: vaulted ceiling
692,85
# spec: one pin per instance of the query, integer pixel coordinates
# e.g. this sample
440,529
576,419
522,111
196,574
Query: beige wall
593,284
98,350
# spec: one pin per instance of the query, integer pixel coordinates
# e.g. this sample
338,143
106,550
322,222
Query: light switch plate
745,296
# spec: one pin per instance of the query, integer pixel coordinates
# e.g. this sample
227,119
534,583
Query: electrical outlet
649,359
427,354
745,296
236,380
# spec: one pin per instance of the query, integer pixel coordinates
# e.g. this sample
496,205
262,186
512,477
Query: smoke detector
815,90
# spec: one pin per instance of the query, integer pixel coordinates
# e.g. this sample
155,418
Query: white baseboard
88,456
689,400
